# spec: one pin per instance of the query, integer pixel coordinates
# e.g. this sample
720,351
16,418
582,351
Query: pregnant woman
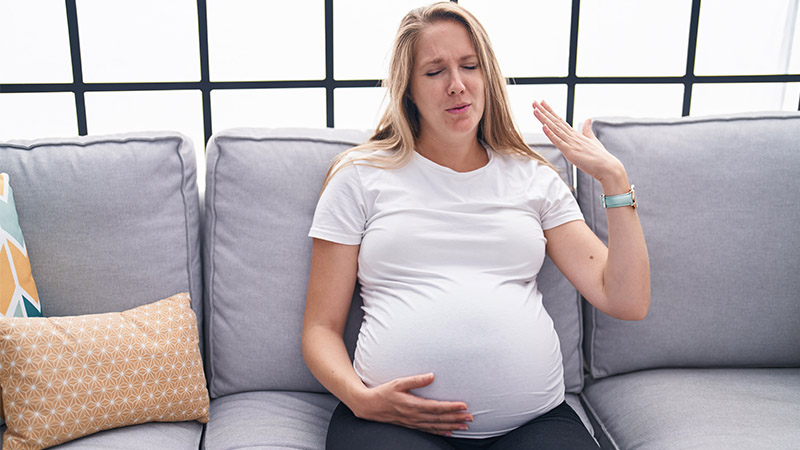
444,217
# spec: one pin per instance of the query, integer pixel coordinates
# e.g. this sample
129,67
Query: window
199,66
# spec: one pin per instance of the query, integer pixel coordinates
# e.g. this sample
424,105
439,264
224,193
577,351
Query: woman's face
447,82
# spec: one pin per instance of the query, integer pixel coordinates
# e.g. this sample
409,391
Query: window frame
79,88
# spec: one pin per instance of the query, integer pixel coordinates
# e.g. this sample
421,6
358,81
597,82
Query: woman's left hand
615,279
583,150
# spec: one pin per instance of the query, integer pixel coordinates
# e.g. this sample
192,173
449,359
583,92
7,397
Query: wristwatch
615,201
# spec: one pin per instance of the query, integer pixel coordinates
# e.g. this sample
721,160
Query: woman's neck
461,155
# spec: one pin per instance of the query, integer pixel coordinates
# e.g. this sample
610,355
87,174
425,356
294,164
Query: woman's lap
348,432
560,428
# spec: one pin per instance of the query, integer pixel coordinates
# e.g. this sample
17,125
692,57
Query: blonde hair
398,128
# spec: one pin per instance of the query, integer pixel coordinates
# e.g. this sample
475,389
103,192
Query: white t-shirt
447,266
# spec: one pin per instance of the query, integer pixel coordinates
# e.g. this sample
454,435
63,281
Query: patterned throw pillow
18,295
67,377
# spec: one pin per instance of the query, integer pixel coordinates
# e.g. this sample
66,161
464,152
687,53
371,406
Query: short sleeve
340,215
559,205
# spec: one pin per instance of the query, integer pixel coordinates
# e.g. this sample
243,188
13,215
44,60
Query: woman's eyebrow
439,59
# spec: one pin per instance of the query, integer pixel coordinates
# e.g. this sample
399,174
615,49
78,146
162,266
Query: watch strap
615,201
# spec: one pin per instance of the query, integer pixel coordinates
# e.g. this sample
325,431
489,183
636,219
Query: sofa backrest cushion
719,207
110,222
261,191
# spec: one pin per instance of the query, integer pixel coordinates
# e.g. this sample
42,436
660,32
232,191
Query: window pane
34,42
791,97
633,37
253,40
139,40
273,108
794,59
744,37
363,34
522,48
522,96
359,108
728,98
630,100
31,116
122,112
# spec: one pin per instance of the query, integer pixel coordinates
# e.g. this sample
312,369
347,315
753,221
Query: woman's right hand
393,402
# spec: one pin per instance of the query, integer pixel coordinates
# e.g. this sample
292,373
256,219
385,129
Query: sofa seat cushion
269,419
154,435
699,408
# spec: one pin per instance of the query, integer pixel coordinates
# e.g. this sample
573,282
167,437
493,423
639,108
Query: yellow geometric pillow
18,295
67,377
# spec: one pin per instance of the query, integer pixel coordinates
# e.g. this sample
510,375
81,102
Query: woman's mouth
460,109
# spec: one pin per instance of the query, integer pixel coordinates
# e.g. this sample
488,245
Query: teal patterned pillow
18,295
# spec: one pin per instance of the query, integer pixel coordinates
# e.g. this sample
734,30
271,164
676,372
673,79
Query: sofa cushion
154,435
719,209
279,420
18,294
284,420
111,222
262,189
67,377
705,409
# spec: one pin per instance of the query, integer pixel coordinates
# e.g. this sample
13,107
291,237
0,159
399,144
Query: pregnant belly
504,363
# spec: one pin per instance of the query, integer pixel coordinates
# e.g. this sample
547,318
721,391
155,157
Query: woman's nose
456,85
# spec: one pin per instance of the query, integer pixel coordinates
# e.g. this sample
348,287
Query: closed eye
431,74
471,67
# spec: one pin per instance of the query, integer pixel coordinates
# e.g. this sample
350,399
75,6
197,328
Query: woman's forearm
327,358
626,279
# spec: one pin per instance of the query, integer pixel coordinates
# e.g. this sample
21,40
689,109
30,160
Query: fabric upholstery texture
112,222
718,205
152,435
296,420
18,294
709,409
66,377
261,190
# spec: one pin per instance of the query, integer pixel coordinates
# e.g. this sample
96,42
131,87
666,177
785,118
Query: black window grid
205,85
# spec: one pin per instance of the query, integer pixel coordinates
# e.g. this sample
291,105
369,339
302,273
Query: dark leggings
560,428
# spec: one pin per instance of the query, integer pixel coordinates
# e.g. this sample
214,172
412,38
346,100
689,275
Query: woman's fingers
560,133
548,117
440,412
394,402
413,382
406,384
587,128
442,429
582,149
443,424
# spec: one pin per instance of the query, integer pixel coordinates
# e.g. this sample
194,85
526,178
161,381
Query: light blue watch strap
615,201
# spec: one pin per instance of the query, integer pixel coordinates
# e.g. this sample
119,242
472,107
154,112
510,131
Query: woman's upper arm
330,285
581,256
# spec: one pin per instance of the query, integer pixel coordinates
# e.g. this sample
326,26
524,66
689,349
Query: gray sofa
114,222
